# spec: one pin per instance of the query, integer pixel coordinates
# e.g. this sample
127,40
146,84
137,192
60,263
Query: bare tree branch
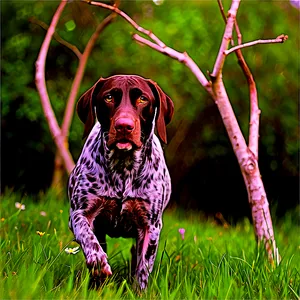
225,18
61,134
226,38
181,57
158,45
238,32
57,37
254,110
222,11
280,39
42,89
128,19
69,110
79,74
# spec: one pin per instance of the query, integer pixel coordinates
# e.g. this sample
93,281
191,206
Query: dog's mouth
124,145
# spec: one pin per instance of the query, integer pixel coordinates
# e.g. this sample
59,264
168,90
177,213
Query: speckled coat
121,194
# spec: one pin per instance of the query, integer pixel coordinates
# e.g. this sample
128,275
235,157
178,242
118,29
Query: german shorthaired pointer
120,185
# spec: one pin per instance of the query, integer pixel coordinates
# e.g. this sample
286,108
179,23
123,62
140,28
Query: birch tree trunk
249,167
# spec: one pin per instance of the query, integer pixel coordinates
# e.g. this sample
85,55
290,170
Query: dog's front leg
96,258
147,244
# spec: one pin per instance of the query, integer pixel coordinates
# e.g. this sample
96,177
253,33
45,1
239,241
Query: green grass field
211,262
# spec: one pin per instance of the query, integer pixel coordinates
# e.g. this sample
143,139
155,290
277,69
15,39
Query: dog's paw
98,265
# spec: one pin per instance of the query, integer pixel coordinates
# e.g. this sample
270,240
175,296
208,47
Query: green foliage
212,261
193,26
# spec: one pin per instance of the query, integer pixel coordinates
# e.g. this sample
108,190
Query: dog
120,185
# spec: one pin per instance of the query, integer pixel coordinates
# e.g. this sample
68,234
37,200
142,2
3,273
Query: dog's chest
140,175
119,218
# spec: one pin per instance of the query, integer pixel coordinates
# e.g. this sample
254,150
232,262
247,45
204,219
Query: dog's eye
141,100
108,98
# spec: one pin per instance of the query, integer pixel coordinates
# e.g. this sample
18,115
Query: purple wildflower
181,231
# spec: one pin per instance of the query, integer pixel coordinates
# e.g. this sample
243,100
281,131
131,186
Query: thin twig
128,19
280,39
57,37
222,11
254,109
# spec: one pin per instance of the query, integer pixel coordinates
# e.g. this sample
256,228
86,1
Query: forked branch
254,110
79,74
250,171
60,134
57,37
42,89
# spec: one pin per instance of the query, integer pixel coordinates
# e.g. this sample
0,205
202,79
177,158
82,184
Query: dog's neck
121,161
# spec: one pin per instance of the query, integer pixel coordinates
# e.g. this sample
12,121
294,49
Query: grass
211,262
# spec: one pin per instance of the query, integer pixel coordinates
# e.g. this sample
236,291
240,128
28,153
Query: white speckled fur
121,193
157,192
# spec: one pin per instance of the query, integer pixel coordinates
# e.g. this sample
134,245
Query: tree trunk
249,166
260,208
58,174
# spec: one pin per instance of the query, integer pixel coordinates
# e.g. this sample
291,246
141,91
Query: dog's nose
124,125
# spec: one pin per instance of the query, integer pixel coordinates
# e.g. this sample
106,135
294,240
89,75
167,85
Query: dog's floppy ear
85,107
165,110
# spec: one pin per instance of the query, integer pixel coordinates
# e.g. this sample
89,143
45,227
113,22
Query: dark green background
204,170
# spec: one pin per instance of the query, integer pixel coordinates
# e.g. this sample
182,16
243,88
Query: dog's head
125,107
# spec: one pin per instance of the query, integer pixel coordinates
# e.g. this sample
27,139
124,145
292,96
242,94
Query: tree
63,156
247,155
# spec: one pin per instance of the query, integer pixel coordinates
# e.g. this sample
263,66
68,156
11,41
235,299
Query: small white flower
20,206
43,213
72,250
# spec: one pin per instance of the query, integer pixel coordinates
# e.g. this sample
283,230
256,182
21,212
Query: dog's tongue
124,145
